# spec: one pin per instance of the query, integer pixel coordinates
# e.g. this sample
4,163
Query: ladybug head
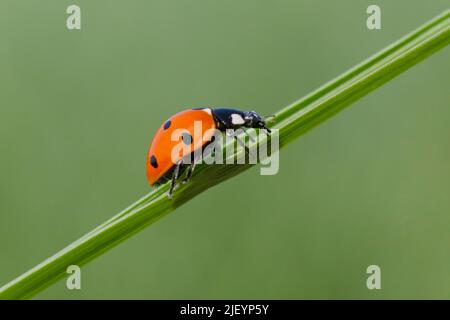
254,120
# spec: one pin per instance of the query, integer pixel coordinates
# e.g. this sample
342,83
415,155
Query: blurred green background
79,108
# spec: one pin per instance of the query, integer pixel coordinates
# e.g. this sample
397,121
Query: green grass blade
291,121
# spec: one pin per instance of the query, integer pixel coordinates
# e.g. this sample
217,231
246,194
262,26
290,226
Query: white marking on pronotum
207,110
237,119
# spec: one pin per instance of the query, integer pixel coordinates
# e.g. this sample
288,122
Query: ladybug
160,165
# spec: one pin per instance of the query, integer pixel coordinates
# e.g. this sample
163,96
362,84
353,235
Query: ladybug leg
251,154
242,143
174,179
189,170
233,135
249,135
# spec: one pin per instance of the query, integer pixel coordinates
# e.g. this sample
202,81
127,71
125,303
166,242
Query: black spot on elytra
167,125
153,162
187,138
